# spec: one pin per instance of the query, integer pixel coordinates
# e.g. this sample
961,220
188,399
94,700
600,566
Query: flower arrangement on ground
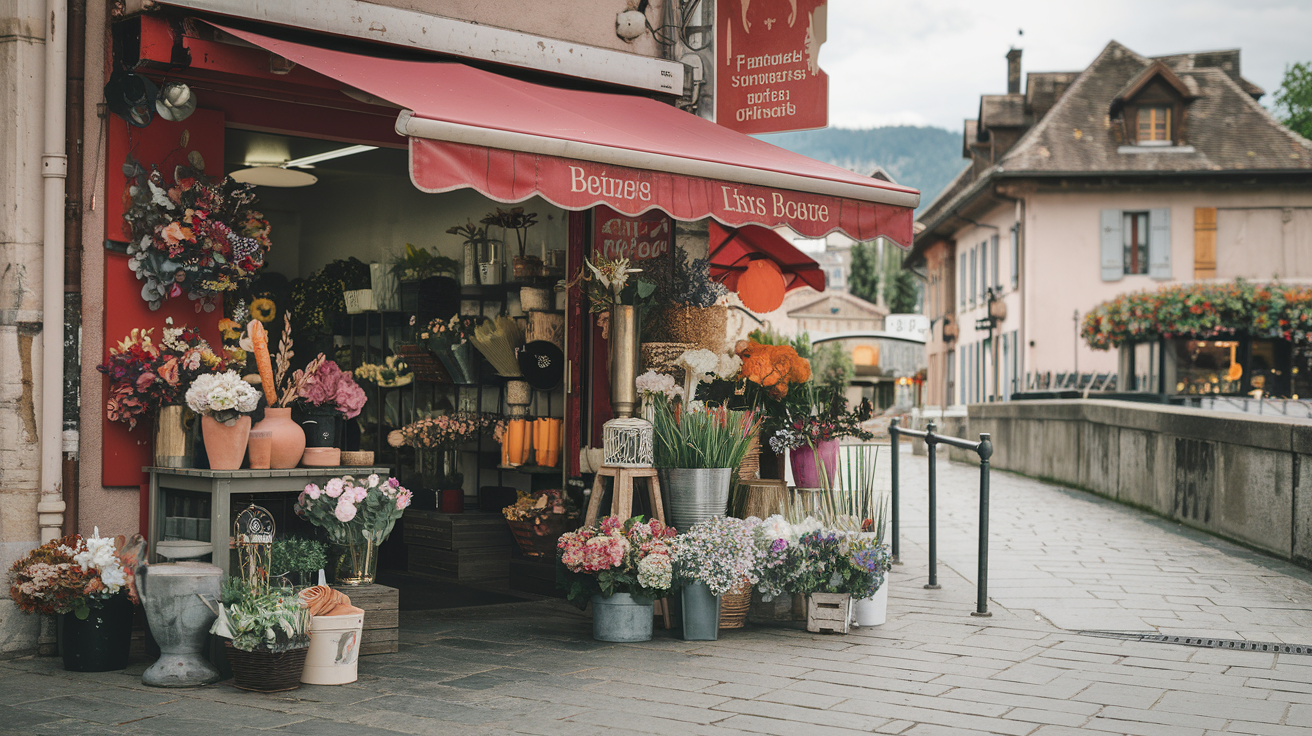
193,236
75,574
329,388
273,621
872,560
616,556
144,375
222,396
538,519
392,372
720,552
357,514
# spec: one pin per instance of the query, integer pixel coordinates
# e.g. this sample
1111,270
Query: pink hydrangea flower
313,491
334,487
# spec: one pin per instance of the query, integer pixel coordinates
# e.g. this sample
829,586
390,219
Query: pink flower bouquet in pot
357,514
326,394
622,567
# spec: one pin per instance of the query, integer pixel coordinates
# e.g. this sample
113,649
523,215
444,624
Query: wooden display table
222,485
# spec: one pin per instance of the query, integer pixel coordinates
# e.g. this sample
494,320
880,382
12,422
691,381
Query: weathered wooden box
828,613
382,616
459,547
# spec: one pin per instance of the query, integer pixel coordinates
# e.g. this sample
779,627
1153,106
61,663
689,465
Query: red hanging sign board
643,238
768,76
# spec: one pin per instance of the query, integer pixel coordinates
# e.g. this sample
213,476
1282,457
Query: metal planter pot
622,618
701,613
694,495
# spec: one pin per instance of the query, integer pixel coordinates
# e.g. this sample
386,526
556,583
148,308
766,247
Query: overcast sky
927,63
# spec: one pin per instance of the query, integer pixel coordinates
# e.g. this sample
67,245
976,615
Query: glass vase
355,562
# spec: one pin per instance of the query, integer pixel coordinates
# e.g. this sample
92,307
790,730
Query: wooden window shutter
1204,242
1159,243
1113,258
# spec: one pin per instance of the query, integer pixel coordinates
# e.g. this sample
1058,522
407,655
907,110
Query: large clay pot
288,439
225,443
179,620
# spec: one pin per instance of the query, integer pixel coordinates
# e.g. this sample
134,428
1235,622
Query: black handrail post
895,442
930,442
985,451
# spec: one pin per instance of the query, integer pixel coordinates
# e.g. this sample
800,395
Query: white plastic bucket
334,649
872,611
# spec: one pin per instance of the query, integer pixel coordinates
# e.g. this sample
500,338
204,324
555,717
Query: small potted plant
268,633
448,339
828,578
327,394
689,312
621,567
697,449
89,584
525,266
538,519
871,558
711,559
357,514
416,265
224,402
296,560
476,241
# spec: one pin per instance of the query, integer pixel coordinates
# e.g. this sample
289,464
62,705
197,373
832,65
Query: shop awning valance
512,139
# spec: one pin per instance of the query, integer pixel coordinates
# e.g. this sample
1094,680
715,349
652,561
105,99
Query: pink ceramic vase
808,463
287,439
225,444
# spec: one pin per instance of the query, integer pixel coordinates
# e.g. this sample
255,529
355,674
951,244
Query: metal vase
701,613
174,440
694,495
622,618
623,360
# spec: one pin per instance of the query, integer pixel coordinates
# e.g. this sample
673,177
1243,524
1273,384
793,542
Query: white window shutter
1113,248
1159,243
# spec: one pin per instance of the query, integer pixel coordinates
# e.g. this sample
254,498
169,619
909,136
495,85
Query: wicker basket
663,357
424,364
539,540
358,458
734,606
265,672
706,327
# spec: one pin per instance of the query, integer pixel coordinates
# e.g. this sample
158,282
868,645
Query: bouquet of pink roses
354,510
615,556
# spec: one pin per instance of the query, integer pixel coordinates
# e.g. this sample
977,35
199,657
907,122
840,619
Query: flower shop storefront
328,287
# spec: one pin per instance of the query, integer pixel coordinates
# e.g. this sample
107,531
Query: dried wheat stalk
298,380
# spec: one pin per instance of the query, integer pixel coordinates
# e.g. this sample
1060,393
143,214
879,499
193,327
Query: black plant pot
101,641
320,427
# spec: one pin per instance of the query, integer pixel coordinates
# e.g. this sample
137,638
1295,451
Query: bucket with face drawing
334,649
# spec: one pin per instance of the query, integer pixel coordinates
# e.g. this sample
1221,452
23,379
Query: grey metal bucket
695,494
701,613
622,618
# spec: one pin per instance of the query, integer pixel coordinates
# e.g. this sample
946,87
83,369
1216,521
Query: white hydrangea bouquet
720,552
223,396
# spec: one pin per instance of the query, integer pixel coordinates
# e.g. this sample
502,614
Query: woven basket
539,540
358,458
424,364
734,606
663,357
704,326
265,672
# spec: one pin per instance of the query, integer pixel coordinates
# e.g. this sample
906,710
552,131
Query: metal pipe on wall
74,87
54,171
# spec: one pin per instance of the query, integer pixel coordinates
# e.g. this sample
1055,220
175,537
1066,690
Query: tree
901,288
863,276
1294,99
903,292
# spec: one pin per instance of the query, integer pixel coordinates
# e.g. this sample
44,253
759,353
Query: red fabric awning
731,249
511,139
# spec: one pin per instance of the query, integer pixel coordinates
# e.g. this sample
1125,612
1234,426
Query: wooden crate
828,613
456,531
382,616
461,565
534,576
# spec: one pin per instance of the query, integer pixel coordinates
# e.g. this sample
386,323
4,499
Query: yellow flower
264,310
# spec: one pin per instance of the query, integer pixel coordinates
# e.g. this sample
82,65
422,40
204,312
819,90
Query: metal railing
983,448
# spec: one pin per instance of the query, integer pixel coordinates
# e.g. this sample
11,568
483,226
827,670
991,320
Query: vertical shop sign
768,56
643,238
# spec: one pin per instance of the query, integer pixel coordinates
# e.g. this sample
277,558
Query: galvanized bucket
695,494
701,613
622,618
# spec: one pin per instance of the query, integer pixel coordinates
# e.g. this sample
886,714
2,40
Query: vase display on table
223,401
320,426
93,630
357,514
286,438
173,595
327,394
622,567
174,437
225,442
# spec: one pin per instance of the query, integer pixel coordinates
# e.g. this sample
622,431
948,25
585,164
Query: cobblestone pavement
532,668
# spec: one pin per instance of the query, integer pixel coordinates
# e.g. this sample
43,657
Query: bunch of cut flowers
144,375
720,552
75,574
328,387
222,396
616,556
539,506
353,510
871,559
392,372
446,431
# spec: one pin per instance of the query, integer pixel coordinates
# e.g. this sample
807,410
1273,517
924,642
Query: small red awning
511,140
731,249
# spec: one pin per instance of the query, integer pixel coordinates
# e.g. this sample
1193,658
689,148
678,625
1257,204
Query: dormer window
1155,125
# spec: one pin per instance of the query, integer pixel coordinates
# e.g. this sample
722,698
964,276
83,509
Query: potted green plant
697,449
621,567
89,585
267,632
474,247
296,560
712,558
525,266
415,265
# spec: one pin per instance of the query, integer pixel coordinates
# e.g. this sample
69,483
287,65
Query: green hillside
921,157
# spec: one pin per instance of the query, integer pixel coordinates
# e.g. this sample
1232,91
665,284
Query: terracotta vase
287,439
225,444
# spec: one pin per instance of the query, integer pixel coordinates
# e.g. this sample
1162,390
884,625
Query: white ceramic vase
872,611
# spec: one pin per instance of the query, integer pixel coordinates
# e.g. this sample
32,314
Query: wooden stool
621,502
621,505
